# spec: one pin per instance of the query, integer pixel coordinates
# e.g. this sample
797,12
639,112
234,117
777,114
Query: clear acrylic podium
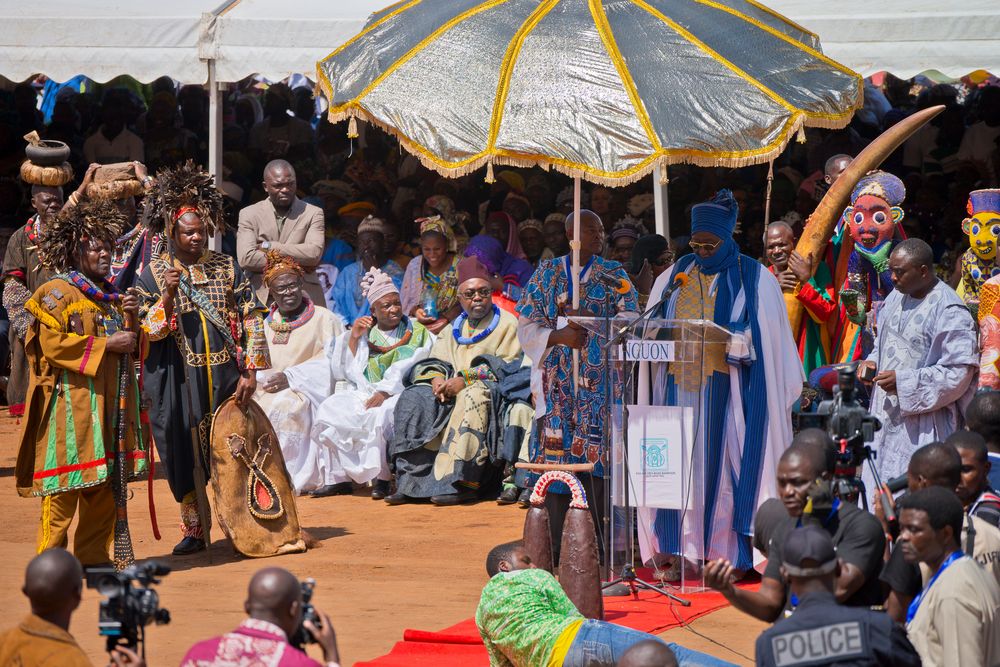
658,392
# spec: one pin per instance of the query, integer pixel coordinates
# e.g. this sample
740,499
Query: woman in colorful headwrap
445,207
532,236
503,228
297,331
742,390
510,274
430,284
350,428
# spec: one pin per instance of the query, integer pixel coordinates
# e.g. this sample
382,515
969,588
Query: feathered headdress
179,190
60,239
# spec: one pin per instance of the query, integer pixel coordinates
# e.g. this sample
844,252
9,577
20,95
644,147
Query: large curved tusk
820,225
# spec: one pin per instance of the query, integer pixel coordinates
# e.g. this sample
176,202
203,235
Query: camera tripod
628,578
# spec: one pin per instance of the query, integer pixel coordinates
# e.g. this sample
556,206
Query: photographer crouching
53,584
278,613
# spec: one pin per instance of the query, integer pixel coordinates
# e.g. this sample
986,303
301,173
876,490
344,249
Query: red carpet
461,646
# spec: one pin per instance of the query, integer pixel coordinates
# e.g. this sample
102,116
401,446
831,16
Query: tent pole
575,278
214,139
661,201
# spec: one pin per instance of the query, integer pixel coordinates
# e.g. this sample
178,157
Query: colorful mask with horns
979,263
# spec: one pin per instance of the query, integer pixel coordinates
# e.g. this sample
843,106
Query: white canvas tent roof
903,37
177,38
147,39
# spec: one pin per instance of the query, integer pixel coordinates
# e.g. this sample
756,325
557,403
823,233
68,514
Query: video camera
128,609
851,427
302,636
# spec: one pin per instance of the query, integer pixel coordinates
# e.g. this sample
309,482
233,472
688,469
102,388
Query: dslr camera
302,636
130,604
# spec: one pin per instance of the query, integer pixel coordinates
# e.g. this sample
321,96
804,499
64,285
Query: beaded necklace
283,329
402,333
87,286
456,328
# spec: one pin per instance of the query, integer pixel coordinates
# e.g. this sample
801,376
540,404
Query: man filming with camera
52,582
275,605
923,367
804,473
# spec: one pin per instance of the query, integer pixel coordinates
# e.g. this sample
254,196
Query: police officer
820,631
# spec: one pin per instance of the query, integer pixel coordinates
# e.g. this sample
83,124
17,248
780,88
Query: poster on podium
660,442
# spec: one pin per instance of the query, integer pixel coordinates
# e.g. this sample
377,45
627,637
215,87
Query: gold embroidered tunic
223,335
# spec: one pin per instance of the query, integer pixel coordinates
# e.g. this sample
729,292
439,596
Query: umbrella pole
575,246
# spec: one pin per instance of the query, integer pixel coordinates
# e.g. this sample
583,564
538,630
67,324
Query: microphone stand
628,580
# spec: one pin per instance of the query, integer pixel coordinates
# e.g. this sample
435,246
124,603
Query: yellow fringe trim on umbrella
465,166
352,128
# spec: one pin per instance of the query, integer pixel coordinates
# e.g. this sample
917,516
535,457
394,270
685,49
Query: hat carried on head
555,217
512,179
334,188
628,227
376,284
471,267
981,201
880,184
278,263
441,204
565,196
371,224
716,216
357,209
809,543
530,223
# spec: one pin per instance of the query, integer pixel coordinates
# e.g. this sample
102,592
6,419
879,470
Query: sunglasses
484,292
663,260
704,246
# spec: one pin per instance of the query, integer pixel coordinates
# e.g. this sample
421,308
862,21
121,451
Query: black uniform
822,632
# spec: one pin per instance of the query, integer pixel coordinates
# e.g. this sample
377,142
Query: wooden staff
821,224
124,554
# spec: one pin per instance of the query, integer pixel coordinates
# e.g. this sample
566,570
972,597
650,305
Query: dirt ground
379,570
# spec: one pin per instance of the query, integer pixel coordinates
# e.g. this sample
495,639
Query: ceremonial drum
254,498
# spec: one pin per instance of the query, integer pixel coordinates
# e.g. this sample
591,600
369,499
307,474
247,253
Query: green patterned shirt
520,616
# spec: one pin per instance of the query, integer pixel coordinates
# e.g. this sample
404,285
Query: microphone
680,279
620,285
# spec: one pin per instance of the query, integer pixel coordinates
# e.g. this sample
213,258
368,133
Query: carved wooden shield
254,498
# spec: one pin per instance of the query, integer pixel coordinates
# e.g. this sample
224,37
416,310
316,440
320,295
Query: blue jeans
601,644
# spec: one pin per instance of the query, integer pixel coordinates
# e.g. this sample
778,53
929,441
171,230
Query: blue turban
716,216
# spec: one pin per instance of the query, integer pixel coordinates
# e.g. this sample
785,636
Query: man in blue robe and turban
741,393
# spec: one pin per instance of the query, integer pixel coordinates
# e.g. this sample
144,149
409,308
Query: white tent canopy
178,38
904,37
147,39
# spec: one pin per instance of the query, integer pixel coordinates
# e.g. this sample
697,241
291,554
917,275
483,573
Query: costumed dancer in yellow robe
75,347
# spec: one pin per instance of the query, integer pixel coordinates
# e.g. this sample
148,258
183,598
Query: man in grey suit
285,223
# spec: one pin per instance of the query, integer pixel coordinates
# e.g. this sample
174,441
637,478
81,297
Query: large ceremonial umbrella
605,90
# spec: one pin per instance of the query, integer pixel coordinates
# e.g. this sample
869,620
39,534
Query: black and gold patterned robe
205,355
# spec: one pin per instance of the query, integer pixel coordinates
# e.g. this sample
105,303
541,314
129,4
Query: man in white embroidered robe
926,358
